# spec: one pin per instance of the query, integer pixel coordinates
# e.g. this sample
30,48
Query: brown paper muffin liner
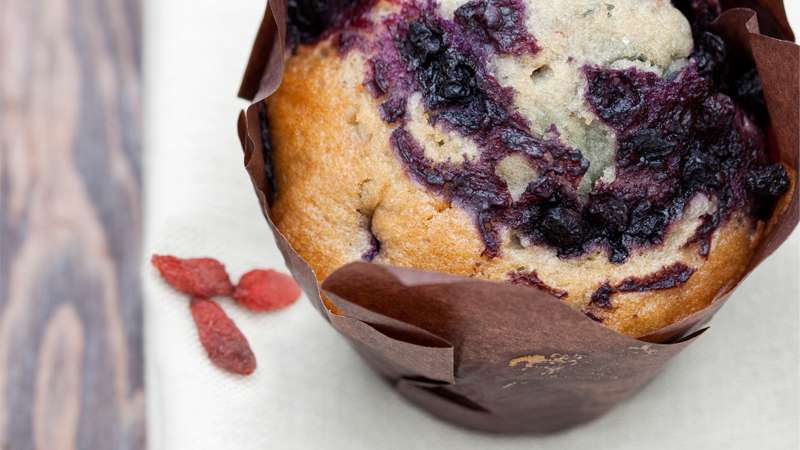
500,357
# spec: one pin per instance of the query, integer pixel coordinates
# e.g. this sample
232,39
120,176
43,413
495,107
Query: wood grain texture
70,225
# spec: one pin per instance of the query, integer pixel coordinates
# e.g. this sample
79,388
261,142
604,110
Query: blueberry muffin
608,152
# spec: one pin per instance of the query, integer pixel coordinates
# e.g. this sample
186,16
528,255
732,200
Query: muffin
607,152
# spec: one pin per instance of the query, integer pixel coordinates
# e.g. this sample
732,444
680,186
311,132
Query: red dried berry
226,346
266,290
202,277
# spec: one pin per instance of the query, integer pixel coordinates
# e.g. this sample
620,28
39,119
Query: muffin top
608,140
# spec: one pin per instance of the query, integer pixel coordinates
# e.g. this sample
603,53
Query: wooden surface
70,221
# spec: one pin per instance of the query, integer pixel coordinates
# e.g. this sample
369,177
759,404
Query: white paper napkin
736,388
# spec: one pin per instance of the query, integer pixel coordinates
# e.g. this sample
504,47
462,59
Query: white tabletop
736,388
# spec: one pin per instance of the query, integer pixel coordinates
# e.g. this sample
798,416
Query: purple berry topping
308,21
770,181
694,131
500,22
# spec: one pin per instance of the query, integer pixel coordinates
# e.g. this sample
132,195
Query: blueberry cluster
500,22
309,19
678,137
449,80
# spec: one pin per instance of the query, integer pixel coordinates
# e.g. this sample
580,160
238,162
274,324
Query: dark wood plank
70,225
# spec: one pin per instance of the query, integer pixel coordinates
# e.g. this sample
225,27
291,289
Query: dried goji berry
225,344
266,290
203,277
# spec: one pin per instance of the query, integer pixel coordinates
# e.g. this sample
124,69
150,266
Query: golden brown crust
639,314
338,178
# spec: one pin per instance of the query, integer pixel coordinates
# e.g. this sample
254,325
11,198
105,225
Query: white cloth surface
736,388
